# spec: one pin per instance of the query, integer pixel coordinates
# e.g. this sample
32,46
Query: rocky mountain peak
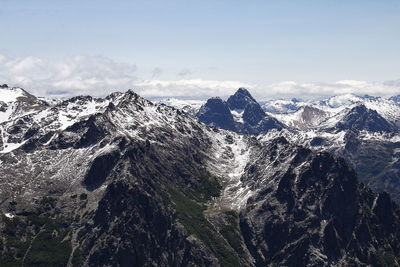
361,118
240,99
240,113
15,102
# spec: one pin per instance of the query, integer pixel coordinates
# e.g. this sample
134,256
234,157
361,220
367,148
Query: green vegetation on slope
190,214
36,239
49,247
230,232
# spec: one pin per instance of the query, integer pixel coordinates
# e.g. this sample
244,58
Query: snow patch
10,94
238,115
231,160
9,215
8,147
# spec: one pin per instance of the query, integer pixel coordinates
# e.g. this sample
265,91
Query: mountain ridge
121,181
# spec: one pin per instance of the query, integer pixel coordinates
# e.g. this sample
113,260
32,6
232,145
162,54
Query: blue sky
155,43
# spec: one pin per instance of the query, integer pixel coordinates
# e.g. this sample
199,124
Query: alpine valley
122,181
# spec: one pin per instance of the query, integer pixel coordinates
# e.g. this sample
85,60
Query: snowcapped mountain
305,117
387,108
362,118
16,102
331,110
189,106
278,106
121,181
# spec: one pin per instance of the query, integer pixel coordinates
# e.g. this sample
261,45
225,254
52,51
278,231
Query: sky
196,49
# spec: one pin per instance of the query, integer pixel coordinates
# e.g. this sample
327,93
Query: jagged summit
240,99
240,113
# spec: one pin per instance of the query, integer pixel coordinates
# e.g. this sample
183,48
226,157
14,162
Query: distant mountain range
300,114
122,181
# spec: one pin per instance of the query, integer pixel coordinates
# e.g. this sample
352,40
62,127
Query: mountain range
365,130
122,181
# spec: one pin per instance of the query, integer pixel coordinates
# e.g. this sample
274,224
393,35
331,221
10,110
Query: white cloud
99,76
315,90
24,64
76,75
184,88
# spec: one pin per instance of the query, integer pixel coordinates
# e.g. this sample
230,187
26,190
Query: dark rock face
83,133
253,113
267,124
216,112
100,169
375,161
140,231
319,216
254,120
360,118
317,141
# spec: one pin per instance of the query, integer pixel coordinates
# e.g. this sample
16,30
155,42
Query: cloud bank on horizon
99,76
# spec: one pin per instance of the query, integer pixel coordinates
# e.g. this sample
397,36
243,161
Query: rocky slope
121,181
363,129
314,212
305,117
